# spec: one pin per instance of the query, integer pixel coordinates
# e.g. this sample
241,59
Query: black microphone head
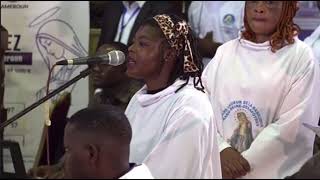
114,58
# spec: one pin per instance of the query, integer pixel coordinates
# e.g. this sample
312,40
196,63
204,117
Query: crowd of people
222,92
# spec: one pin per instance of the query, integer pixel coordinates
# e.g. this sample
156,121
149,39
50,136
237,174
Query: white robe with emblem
223,18
261,99
174,133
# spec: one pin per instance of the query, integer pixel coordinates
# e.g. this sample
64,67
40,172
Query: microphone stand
82,74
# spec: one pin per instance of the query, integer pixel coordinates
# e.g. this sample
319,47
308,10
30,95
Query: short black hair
106,119
117,46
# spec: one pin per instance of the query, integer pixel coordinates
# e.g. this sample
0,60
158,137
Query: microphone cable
48,121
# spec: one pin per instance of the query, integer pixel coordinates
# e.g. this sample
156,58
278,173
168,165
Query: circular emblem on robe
228,19
242,119
242,109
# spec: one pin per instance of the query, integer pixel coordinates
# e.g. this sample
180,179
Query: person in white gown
214,23
262,87
172,120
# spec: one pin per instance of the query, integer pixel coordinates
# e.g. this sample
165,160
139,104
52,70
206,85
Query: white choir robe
261,99
174,133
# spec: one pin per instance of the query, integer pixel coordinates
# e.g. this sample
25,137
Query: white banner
41,33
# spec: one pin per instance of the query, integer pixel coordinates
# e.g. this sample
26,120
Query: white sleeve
207,76
222,143
285,145
207,80
187,148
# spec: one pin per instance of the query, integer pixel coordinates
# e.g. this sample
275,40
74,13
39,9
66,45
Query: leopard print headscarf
176,35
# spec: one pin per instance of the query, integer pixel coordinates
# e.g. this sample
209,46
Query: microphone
113,58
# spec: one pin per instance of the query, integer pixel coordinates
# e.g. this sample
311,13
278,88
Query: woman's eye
143,44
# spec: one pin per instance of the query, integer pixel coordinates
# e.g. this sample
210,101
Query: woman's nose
131,47
260,7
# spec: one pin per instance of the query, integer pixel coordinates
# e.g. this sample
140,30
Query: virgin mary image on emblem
242,135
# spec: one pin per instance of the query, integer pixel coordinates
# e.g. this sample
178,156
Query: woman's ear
92,153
